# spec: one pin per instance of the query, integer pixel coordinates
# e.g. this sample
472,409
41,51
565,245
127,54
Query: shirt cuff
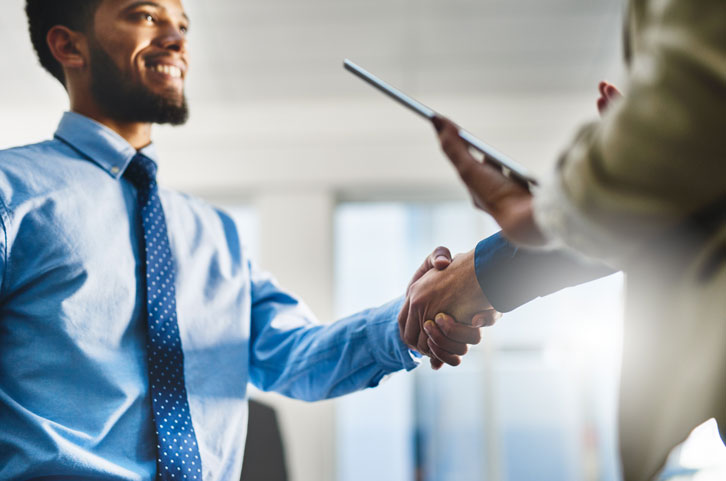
511,276
384,339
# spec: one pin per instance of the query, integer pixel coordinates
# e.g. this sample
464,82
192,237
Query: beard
123,100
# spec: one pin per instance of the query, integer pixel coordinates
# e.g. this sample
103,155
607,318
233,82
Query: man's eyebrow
149,3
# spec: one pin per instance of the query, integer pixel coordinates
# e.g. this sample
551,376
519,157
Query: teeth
170,70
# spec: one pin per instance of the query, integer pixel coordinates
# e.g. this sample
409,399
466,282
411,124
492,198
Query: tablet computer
508,167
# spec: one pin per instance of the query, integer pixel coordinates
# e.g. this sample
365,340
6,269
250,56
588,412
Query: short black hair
46,14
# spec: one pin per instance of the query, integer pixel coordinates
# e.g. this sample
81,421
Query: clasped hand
442,292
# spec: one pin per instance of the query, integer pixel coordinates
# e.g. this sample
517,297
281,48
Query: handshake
445,308
444,291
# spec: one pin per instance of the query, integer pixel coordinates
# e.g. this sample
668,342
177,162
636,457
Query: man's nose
172,38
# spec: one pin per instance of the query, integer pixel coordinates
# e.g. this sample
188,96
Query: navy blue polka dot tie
178,453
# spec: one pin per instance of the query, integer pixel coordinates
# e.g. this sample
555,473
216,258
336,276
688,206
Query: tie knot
141,172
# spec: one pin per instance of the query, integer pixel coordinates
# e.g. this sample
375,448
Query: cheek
130,62
125,48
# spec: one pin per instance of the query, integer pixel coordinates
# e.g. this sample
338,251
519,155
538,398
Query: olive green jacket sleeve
659,154
644,190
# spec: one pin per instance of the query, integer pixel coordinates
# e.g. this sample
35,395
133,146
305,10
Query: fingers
611,92
490,189
443,355
453,146
436,363
475,174
436,336
608,93
422,344
409,331
485,318
440,259
408,324
445,331
413,335
448,340
601,87
438,123
608,90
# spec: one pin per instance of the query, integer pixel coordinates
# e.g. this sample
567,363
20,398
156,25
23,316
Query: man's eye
147,17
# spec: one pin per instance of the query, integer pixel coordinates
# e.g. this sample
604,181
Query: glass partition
535,400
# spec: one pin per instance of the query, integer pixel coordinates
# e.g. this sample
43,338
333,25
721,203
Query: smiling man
131,319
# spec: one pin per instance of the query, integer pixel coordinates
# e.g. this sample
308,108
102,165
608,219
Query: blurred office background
342,193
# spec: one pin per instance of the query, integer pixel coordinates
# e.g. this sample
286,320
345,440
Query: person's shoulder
35,169
17,162
46,158
14,165
30,152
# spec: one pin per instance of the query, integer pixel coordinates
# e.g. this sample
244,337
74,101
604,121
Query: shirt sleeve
657,157
511,276
293,354
4,220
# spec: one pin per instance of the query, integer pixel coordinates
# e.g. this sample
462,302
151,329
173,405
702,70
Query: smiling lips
171,70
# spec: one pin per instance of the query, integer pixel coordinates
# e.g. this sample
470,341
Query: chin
171,94
175,99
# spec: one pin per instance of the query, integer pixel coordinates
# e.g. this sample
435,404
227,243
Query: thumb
440,258
454,146
480,177
485,318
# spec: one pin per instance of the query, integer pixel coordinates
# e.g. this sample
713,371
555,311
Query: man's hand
439,259
448,339
454,291
507,201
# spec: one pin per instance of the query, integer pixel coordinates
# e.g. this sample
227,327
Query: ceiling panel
252,50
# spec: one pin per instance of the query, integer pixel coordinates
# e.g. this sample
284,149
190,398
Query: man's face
139,60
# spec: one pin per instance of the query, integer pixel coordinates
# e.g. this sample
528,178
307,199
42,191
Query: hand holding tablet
508,167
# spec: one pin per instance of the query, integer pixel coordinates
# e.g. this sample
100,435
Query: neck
138,134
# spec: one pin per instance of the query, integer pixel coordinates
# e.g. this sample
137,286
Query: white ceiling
272,105
252,50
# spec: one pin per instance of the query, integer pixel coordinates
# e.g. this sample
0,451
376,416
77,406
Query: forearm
511,276
313,362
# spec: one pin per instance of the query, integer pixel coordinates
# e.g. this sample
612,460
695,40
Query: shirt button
115,170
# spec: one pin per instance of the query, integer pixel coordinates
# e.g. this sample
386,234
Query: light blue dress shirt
74,396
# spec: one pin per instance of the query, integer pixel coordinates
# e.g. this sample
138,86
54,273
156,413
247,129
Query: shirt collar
99,144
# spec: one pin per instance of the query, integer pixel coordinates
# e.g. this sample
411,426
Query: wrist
519,225
469,297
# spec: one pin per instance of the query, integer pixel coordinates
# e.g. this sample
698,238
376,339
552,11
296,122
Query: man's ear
68,47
